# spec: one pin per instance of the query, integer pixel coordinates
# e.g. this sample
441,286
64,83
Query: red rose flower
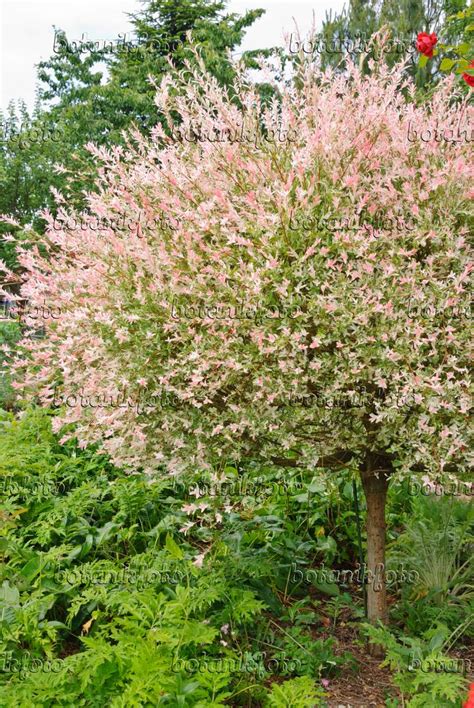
425,43
467,77
470,699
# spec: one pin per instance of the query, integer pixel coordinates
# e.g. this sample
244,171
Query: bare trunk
375,480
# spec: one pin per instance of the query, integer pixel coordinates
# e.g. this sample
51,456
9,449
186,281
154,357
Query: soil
369,685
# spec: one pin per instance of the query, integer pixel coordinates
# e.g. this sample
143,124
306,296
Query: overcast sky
27,32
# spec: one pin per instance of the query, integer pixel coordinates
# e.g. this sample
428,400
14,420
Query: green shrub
9,334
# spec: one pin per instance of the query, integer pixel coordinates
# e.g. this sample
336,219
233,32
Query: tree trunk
375,476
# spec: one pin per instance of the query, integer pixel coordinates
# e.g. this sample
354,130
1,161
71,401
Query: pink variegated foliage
350,340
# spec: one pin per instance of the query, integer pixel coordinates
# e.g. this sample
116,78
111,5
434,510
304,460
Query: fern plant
300,692
408,657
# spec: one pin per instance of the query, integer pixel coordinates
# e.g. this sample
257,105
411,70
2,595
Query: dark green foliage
114,590
9,335
404,18
93,94
98,110
97,577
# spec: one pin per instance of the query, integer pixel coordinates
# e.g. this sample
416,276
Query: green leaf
317,487
56,624
76,551
447,64
463,64
422,61
231,470
9,595
32,568
87,545
327,588
173,548
327,545
105,532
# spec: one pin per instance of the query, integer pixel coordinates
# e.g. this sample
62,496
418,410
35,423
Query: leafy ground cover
125,591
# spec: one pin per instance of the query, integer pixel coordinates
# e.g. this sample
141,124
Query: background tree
91,94
97,110
352,348
405,19
28,151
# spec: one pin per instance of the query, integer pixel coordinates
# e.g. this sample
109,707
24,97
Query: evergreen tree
100,110
92,93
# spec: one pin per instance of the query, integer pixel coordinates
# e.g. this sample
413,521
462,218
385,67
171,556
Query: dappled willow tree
352,349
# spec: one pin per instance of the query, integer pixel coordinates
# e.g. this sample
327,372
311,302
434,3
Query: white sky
26,30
